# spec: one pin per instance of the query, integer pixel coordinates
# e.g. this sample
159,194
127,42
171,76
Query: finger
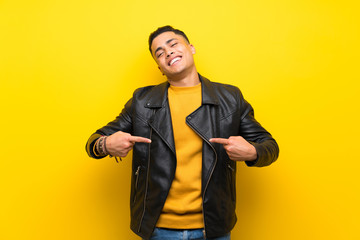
122,154
139,139
127,149
223,141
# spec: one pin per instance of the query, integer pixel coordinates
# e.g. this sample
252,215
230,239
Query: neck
188,80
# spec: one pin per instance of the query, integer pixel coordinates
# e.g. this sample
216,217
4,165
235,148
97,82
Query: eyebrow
167,42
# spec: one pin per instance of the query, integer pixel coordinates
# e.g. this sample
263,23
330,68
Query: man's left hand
237,148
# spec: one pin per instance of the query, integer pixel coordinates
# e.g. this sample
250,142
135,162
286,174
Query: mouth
174,60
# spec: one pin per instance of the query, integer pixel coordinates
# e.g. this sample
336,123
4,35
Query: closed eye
160,54
172,45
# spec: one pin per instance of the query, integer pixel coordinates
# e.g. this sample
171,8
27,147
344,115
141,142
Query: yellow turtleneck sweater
183,206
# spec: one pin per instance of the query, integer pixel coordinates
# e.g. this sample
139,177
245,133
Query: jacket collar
158,95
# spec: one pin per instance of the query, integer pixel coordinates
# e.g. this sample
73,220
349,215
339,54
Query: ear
192,49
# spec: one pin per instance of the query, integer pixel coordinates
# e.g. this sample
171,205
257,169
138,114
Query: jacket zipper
231,179
146,184
212,170
232,169
136,181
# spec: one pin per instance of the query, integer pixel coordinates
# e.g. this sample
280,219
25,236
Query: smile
176,59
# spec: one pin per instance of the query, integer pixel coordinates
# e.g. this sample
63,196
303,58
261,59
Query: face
173,54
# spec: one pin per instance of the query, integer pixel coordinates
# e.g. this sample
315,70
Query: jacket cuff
265,154
90,146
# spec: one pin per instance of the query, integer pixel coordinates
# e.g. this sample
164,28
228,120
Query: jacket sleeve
266,147
122,122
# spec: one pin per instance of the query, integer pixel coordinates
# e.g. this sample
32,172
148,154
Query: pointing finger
223,141
136,139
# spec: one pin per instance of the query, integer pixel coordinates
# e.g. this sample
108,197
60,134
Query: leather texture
223,113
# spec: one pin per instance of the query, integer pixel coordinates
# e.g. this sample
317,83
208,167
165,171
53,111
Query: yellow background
68,66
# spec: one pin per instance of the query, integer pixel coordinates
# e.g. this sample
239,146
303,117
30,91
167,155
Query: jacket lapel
160,122
205,122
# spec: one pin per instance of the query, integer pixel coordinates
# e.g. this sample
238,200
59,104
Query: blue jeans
180,234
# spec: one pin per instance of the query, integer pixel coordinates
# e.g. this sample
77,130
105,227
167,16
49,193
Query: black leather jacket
223,113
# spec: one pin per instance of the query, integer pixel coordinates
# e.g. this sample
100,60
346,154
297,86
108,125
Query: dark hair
163,29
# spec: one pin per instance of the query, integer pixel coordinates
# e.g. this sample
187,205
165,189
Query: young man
187,135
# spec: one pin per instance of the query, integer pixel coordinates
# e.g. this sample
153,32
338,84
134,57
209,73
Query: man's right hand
120,143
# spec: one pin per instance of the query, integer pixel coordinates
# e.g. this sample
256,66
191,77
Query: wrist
100,146
253,154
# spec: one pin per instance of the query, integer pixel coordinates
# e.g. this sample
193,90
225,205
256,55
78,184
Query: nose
169,53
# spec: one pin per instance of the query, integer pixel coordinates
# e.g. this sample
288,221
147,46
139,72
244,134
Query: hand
120,143
237,148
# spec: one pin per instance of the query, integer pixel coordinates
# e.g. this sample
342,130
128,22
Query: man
187,135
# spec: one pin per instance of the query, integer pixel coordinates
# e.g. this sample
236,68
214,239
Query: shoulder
219,86
151,89
222,91
150,96
222,87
